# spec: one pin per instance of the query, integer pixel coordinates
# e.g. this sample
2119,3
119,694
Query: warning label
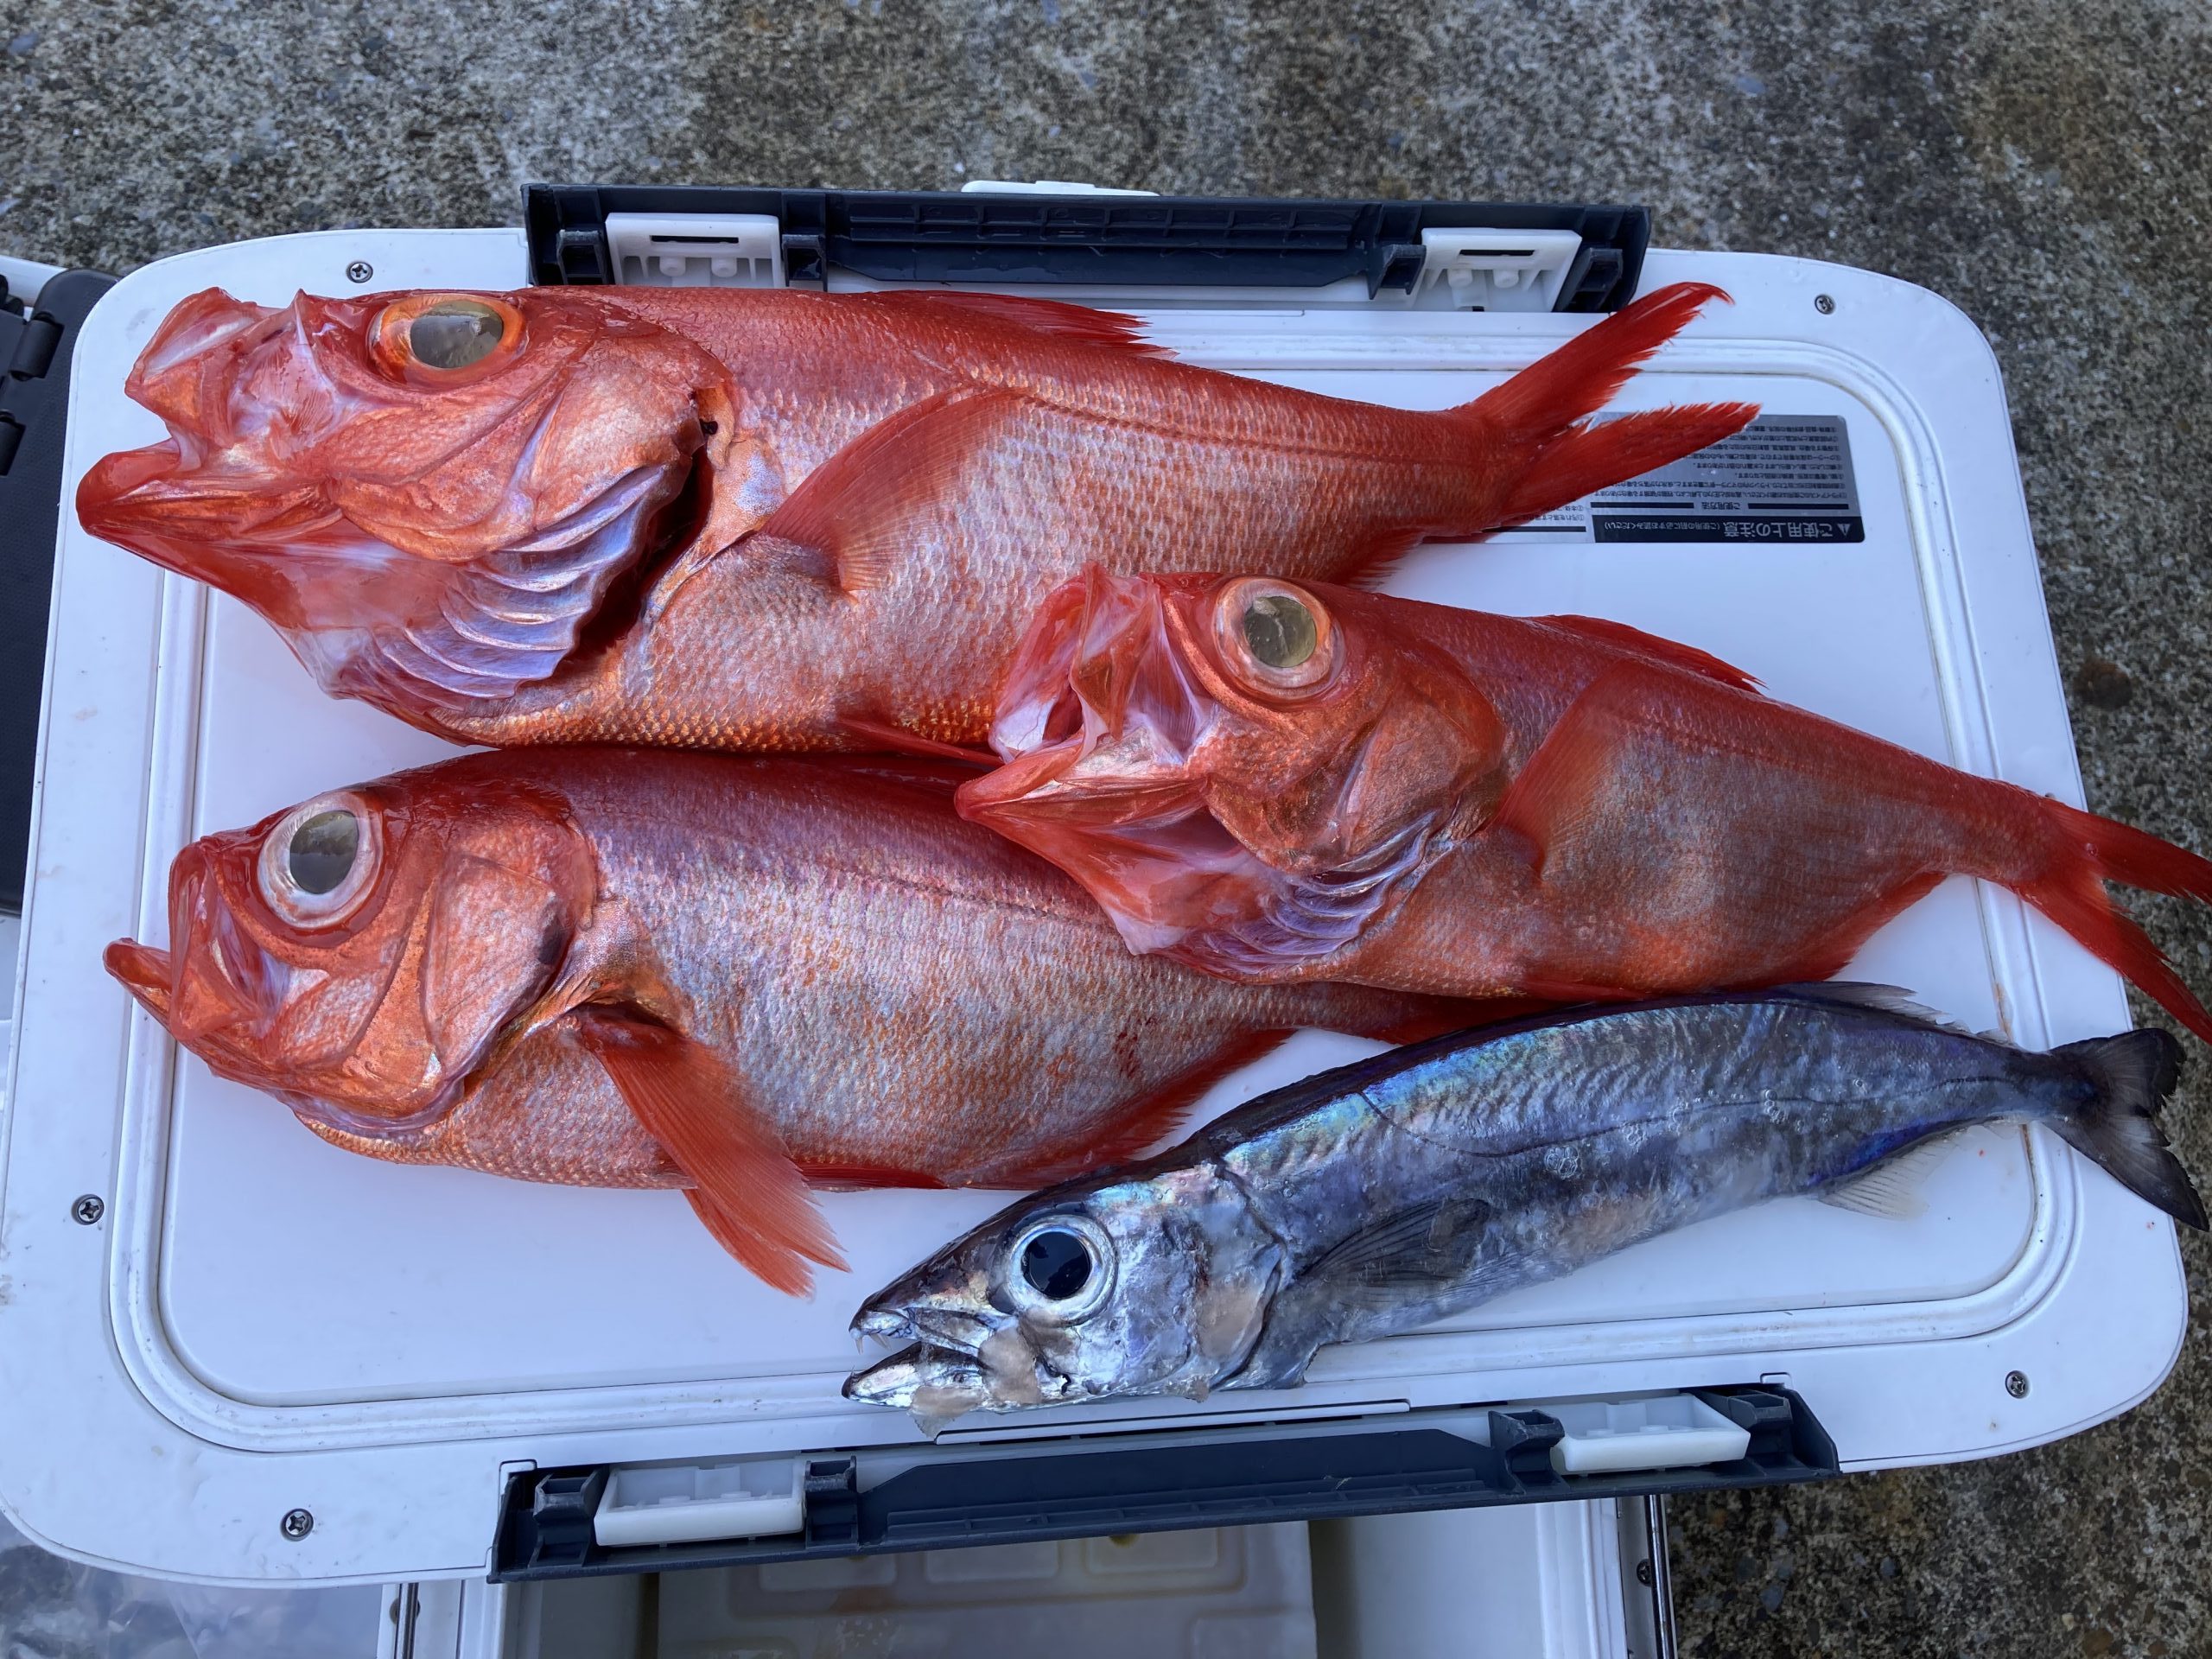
1784,478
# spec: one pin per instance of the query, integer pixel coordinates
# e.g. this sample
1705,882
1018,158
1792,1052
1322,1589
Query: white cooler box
252,1357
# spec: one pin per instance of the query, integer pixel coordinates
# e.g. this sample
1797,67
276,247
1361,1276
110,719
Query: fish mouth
397,592
1100,725
935,1384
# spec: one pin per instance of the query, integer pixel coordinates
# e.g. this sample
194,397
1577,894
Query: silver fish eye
455,333
1061,1268
1280,630
319,860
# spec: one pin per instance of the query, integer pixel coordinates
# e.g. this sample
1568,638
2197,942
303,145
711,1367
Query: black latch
36,346
992,1495
1097,240
832,1502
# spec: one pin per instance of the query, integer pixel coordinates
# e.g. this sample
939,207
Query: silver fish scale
1560,1144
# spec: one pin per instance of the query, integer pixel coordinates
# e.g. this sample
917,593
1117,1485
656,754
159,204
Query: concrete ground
2048,165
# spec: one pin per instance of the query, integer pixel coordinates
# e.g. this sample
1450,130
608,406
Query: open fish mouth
936,1384
1100,725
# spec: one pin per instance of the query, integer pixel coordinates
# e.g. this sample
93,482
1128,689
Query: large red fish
645,968
1280,781
739,519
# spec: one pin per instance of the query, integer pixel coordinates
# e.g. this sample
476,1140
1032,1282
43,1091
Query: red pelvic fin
699,1112
855,509
1673,652
1111,329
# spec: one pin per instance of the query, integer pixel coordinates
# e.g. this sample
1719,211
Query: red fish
739,519
645,968
1279,781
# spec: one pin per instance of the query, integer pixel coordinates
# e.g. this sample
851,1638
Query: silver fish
1381,1196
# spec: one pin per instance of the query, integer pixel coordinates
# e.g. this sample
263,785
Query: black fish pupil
455,333
1280,630
1057,1264
322,850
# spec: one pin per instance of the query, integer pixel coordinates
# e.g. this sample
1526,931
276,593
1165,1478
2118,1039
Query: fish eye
1056,1263
1061,1268
1276,637
444,334
454,333
319,860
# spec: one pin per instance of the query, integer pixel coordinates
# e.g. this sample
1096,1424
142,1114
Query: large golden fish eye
438,337
454,333
319,860
1276,637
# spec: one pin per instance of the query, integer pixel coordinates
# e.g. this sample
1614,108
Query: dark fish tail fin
2132,1074
1536,415
2082,853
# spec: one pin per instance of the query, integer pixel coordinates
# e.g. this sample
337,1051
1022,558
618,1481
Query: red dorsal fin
1138,1125
699,1112
1671,652
854,508
1111,330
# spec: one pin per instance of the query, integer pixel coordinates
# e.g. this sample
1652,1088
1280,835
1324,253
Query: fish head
1140,1284
1234,764
361,954
428,494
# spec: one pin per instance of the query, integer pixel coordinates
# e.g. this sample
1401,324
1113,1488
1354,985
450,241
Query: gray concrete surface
2047,165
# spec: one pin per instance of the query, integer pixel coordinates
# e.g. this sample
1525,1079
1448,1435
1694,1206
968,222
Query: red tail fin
1536,412
2071,892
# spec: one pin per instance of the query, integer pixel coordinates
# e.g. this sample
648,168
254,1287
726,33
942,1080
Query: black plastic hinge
37,347
1000,1494
832,1502
1523,1442
984,238
34,346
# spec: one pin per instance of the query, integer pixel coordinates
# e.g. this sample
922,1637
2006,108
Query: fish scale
1385,1195
842,506
875,991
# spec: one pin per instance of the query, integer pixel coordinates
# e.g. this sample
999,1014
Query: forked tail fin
1535,414
2132,1074
2090,851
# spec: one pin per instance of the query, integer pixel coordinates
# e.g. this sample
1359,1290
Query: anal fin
1891,1188
746,1187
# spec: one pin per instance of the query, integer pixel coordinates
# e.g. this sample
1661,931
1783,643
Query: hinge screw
1644,1574
1823,304
296,1524
88,1210
2015,1384
359,271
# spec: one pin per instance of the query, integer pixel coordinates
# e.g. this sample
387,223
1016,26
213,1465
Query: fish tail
2080,852
2132,1075
1536,415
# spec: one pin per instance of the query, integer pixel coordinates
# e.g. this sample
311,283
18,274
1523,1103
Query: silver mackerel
1377,1198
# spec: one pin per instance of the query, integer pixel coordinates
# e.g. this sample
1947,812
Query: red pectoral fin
697,1108
1563,790
856,508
